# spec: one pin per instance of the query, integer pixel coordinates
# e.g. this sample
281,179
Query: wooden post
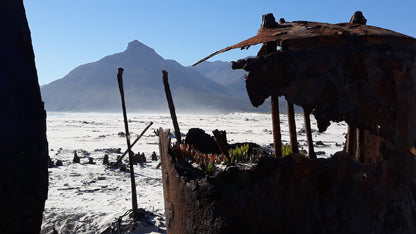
221,138
292,127
171,106
132,179
134,142
268,21
308,129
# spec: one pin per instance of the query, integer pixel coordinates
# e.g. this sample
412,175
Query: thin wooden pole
132,179
134,142
292,127
308,129
171,106
268,21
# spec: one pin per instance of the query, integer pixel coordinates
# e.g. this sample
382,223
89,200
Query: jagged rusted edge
261,37
308,29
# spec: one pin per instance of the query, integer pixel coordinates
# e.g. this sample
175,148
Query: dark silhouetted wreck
363,75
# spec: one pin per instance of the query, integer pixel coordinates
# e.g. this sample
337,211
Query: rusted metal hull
362,74
350,71
187,208
369,86
290,195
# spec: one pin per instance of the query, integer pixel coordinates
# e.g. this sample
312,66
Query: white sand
88,198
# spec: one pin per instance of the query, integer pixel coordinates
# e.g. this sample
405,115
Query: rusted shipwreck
363,75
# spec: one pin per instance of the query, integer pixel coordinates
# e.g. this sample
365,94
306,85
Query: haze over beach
79,45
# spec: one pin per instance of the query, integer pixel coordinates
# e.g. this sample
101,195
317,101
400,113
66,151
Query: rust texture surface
187,196
290,195
349,71
371,86
362,74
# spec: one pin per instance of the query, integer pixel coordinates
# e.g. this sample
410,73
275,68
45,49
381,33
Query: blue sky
68,33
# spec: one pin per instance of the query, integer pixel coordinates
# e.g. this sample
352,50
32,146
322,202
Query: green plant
207,164
185,152
286,150
239,154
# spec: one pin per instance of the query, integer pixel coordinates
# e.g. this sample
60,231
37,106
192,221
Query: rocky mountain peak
137,45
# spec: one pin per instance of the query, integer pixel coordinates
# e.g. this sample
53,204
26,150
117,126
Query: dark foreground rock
23,144
201,141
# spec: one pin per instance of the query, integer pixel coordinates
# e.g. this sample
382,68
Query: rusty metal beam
277,137
292,127
269,21
306,116
307,33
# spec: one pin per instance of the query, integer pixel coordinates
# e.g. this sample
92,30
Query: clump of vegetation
286,150
185,152
240,154
208,162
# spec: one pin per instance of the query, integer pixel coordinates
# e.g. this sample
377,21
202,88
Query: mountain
222,73
94,87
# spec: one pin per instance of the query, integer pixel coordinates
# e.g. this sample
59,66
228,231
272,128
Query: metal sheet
301,34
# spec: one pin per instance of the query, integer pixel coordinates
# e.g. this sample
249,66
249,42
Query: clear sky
68,33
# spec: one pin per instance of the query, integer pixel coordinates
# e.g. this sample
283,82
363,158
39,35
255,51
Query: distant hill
93,86
222,73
